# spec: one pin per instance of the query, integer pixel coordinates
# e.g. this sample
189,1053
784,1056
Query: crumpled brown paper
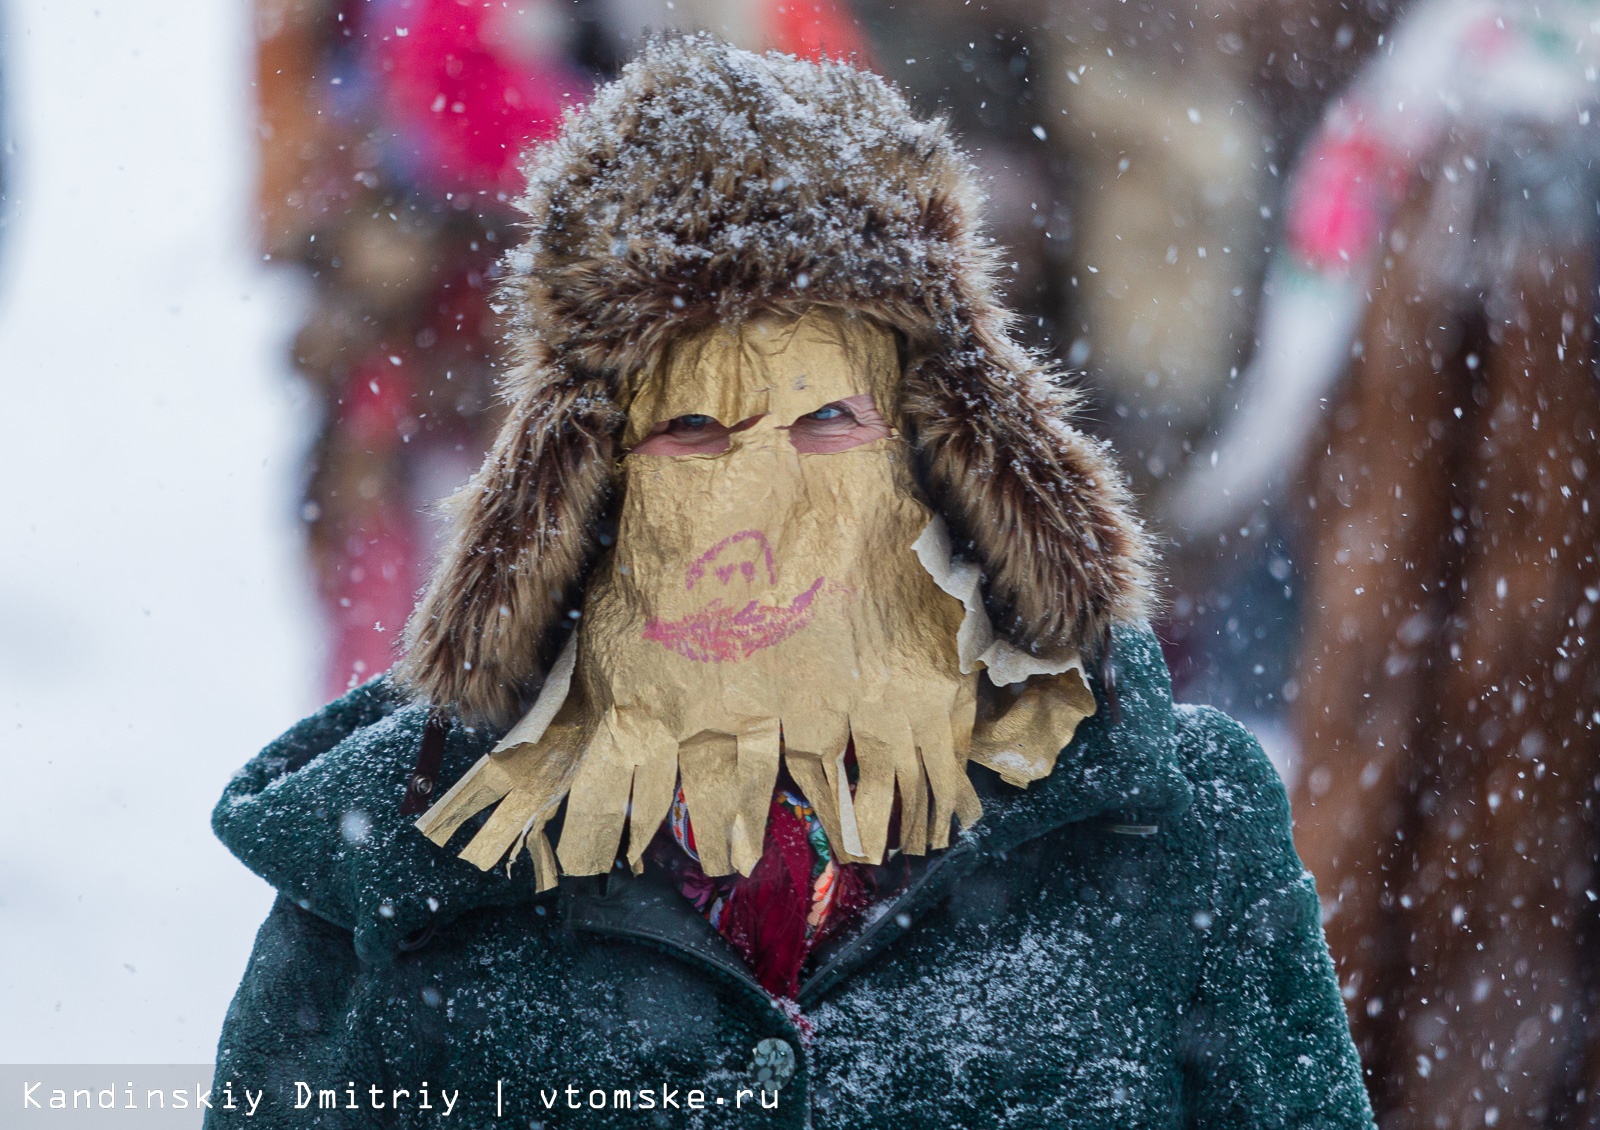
1031,704
762,604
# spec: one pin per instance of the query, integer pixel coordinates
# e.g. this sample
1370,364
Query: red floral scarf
797,896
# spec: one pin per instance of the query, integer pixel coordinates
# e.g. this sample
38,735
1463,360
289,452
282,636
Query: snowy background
152,632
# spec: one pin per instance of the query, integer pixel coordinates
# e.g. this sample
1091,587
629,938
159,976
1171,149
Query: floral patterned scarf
797,896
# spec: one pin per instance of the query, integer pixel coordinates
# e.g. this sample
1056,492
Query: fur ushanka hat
706,185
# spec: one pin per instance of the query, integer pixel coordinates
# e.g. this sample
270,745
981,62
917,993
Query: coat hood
707,185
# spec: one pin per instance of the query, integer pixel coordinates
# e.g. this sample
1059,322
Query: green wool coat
1131,942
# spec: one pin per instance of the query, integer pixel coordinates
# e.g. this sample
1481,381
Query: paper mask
763,604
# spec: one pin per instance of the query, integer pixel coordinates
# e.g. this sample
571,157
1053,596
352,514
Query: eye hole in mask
834,427
693,434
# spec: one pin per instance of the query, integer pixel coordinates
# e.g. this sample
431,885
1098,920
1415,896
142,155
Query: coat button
772,1064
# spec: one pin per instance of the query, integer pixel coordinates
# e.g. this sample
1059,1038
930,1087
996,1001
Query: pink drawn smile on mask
720,633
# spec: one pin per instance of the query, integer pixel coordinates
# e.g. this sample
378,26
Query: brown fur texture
707,185
1449,672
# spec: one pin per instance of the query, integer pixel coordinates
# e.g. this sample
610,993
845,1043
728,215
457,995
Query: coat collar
324,827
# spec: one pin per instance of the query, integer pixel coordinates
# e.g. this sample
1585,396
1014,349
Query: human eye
691,423
838,426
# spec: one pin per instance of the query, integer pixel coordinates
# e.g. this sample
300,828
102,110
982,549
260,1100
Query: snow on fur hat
705,185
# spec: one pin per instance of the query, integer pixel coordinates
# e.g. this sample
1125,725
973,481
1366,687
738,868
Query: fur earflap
705,185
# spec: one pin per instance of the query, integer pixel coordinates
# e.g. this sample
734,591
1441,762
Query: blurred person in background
390,132
1134,152
1182,119
1437,295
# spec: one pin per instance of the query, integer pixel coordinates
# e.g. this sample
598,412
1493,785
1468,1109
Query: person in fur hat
809,759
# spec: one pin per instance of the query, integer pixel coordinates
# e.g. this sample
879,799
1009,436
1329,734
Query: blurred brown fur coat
1449,674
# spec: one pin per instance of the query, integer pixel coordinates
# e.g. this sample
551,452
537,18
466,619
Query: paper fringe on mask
1019,732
